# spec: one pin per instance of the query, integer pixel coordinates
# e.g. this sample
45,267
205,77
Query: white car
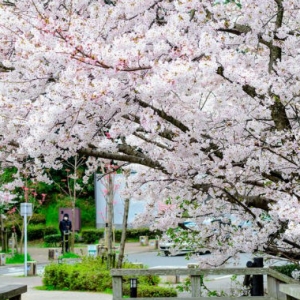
168,247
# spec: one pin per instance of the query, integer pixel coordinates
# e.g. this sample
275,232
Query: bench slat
11,291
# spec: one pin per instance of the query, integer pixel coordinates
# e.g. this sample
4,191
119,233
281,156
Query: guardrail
279,286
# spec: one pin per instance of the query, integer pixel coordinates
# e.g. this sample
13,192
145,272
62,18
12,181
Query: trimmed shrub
50,230
137,232
36,232
54,239
38,219
91,275
145,291
92,236
148,280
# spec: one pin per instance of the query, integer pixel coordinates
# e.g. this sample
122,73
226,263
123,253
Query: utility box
31,268
68,210
53,254
2,259
153,244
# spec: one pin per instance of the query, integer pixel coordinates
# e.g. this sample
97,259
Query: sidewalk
40,255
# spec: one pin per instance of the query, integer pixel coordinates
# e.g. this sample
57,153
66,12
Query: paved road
150,259
153,259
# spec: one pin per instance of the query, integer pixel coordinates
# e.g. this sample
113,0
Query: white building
101,188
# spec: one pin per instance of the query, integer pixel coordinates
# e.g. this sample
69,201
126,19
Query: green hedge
92,236
36,232
287,269
54,239
91,275
135,233
145,291
38,219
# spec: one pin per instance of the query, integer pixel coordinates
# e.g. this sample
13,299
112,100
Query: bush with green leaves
92,236
38,219
91,274
287,269
135,233
55,239
145,291
36,232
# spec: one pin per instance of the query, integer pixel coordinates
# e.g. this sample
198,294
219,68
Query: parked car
168,247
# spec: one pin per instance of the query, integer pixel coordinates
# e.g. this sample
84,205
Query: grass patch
108,291
44,288
17,259
69,255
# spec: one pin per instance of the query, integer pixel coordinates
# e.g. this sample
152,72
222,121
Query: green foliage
151,291
87,212
50,230
91,274
86,206
185,286
54,239
38,219
36,232
149,280
69,255
287,269
17,259
92,236
137,232
11,227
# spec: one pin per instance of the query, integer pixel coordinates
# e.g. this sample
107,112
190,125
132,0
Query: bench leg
18,297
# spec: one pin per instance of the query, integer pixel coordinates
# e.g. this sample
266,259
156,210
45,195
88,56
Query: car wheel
207,252
167,253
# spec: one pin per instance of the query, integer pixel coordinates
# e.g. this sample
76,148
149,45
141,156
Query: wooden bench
12,292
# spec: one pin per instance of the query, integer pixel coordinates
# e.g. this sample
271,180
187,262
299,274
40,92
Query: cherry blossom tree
203,93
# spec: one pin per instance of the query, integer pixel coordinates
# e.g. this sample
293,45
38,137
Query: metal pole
25,244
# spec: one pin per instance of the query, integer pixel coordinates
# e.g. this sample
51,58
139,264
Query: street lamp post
26,211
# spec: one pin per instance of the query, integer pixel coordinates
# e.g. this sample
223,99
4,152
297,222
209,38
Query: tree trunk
124,224
110,220
2,233
124,232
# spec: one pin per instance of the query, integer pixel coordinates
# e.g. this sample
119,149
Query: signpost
26,211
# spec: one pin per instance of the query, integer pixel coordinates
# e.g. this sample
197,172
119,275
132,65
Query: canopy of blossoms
203,93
